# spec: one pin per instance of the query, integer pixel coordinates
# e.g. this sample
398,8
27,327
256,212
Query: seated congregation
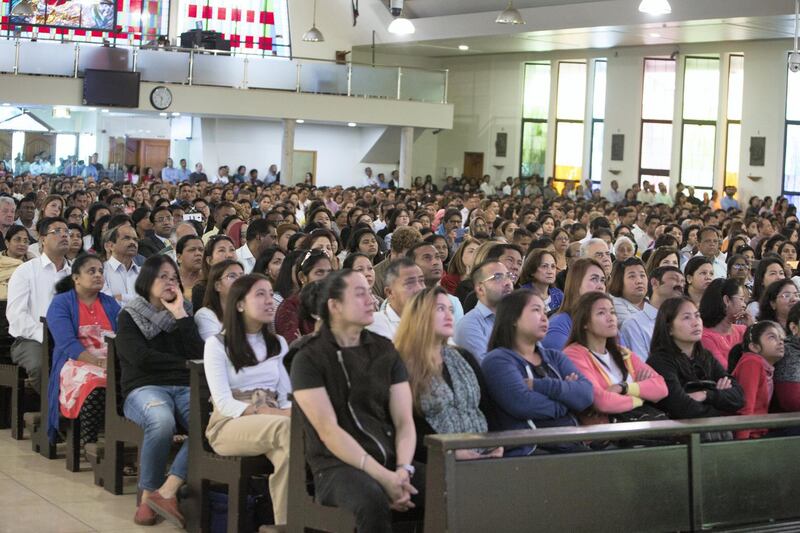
380,316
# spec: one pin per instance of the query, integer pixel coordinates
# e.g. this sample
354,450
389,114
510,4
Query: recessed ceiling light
5,104
299,120
463,47
655,7
104,110
162,114
351,124
656,35
91,109
176,114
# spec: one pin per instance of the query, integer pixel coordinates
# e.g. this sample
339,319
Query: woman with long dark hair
250,386
777,300
698,385
770,269
269,263
156,336
531,386
620,379
218,248
699,272
628,287
722,309
209,317
314,265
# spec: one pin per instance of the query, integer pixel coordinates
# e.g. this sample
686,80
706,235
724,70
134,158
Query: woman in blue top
584,275
539,274
79,317
531,386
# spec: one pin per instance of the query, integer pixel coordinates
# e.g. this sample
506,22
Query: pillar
287,152
406,155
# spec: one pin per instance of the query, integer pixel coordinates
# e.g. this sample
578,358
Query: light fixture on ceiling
162,114
313,35
655,35
6,104
351,124
463,47
401,26
61,112
794,57
176,114
299,121
510,15
104,110
655,7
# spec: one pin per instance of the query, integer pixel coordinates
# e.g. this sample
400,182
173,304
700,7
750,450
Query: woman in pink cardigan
621,381
722,309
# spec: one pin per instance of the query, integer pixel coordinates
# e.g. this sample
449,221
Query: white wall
487,94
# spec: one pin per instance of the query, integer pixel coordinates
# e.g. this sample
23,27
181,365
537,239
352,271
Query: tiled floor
37,495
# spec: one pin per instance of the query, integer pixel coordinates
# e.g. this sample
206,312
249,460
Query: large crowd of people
388,314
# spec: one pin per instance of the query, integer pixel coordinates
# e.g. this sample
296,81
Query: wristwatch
624,386
408,468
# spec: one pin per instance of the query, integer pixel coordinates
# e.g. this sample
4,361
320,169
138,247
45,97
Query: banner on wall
76,14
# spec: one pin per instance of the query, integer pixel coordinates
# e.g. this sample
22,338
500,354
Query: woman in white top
220,278
250,386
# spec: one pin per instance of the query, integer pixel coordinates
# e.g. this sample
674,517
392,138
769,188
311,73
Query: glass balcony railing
223,69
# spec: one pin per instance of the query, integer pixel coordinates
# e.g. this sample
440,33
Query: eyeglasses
739,267
500,276
785,296
232,276
58,231
166,278
161,220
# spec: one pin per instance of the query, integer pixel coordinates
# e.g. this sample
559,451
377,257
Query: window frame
582,122
730,121
598,180
526,120
652,171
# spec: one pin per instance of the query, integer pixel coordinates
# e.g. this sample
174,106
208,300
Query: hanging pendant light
510,15
655,7
401,26
313,35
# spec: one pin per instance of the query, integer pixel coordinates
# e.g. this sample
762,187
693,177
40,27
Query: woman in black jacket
698,385
156,336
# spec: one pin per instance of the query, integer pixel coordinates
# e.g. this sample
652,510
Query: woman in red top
752,365
722,306
315,265
461,265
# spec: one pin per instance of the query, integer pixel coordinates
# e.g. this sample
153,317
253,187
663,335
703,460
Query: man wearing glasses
492,282
158,241
30,291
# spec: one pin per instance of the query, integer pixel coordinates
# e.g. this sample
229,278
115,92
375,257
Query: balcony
212,68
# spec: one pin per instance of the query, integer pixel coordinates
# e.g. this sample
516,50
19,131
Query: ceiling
552,25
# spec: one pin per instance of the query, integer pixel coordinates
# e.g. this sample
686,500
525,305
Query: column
287,152
406,155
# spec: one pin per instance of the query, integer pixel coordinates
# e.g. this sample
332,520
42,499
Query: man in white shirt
486,187
403,280
648,193
708,245
646,238
261,234
615,196
36,167
120,272
369,179
30,291
663,196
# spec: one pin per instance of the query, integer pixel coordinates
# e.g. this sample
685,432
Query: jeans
158,410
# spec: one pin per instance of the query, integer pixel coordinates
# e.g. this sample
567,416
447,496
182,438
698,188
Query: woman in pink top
722,306
621,381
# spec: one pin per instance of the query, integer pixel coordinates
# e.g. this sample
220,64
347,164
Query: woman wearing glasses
156,336
777,300
723,311
585,275
532,386
218,248
220,279
739,270
315,265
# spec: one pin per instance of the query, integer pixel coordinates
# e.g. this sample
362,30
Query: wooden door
473,165
153,153
5,146
40,144
302,162
132,151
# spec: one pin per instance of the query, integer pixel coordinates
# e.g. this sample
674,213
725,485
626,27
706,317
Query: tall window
535,108
734,119
658,103
700,109
570,111
598,120
791,168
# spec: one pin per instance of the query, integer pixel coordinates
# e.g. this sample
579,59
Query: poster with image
83,14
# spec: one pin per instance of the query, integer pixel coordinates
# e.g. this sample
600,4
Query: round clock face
161,97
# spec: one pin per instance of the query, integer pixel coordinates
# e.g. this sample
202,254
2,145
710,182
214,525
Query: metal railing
195,66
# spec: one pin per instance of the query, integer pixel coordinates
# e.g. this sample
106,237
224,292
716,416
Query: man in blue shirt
183,172
728,201
492,283
169,174
637,331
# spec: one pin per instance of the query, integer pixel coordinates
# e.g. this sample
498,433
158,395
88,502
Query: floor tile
13,494
39,517
116,515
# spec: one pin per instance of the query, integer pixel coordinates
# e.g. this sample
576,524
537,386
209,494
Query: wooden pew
206,467
12,383
690,486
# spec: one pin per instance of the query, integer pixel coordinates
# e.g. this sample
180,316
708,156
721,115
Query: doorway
473,165
153,153
302,162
